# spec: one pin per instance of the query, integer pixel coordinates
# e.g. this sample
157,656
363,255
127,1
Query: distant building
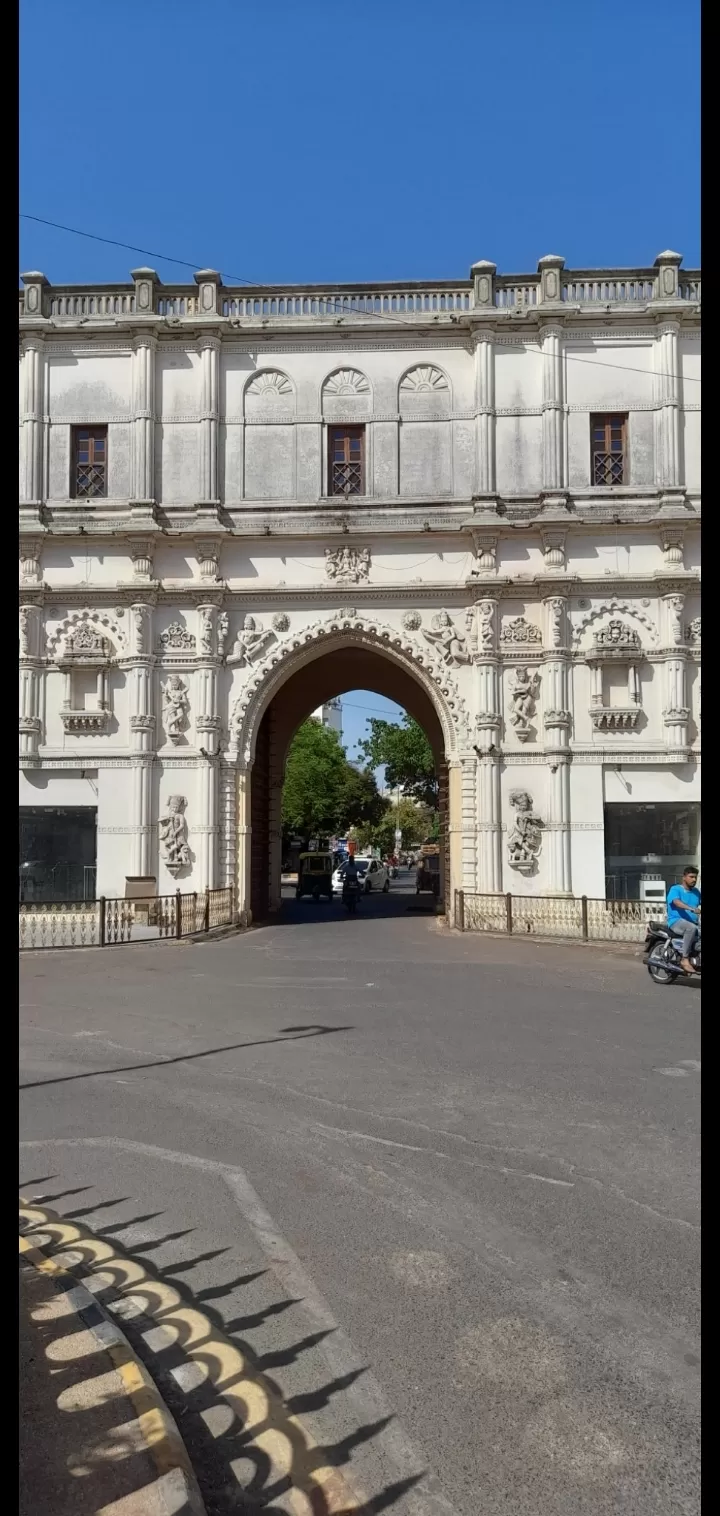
330,714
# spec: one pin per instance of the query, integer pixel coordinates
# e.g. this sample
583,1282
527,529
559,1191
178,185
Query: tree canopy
406,754
323,794
414,821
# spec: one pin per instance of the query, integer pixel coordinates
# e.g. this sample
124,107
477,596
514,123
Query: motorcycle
663,951
350,896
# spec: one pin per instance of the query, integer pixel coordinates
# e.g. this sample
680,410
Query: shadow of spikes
159,1242
213,1455
386,1498
287,1356
171,1269
246,1323
102,1205
165,1063
216,1292
62,1194
27,1184
124,1226
315,1400
337,1453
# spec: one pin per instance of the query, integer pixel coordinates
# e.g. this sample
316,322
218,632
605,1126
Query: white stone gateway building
480,498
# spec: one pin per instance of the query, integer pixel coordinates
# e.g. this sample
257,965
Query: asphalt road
442,1190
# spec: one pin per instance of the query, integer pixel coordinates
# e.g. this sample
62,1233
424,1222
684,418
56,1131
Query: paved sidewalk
84,1449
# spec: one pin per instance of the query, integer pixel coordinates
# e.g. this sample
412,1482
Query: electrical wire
195,264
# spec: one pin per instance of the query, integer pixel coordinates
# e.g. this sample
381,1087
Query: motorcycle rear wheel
658,971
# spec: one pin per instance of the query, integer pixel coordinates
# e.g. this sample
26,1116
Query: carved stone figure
524,691
223,627
525,839
251,642
139,620
24,632
692,632
174,835
412,621
206,633
347,565
281,622
175,707
444,637
486,624
520,630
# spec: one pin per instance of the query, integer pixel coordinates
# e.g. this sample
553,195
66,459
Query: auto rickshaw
427,878
315,871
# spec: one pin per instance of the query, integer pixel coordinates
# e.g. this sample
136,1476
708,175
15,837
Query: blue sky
319,141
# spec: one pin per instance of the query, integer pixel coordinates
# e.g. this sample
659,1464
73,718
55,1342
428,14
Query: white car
372,874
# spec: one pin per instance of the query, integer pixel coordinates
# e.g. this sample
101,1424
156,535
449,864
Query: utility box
653,891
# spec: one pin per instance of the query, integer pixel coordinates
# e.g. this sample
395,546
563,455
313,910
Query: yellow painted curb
156,1425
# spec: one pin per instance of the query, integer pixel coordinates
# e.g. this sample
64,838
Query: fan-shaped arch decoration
346,382
424,379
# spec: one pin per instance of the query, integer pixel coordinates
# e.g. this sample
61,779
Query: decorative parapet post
550,270
142,728
146,282
208,281
556,720
482,274
30,671
483,641
35,286
668,275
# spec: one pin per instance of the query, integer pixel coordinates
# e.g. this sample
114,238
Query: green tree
406,754
323,794
414,821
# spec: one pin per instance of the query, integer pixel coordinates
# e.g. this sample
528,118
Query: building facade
480,498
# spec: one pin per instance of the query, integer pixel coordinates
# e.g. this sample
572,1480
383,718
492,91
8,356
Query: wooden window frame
346,431
602,459
94,434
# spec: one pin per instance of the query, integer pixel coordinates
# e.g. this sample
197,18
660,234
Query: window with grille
346,467
608,446
89,462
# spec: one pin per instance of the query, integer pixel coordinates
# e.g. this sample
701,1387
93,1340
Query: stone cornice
535,587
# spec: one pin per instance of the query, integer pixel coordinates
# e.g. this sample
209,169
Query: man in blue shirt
683,912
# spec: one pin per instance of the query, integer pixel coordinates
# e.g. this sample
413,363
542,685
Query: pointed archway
350,653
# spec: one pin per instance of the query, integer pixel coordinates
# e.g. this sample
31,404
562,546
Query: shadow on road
244,1437
291,1034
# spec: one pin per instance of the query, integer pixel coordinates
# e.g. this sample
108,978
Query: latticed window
347,460
608,444
89,461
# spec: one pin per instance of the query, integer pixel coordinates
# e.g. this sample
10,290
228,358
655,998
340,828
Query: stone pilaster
30,676
210,370
142,730
243,860
484,641
557,720
485,412
553,439
143,481
668,394
32,392
676,714
207,726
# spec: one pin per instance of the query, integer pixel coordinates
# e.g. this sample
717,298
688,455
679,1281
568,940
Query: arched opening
280,705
